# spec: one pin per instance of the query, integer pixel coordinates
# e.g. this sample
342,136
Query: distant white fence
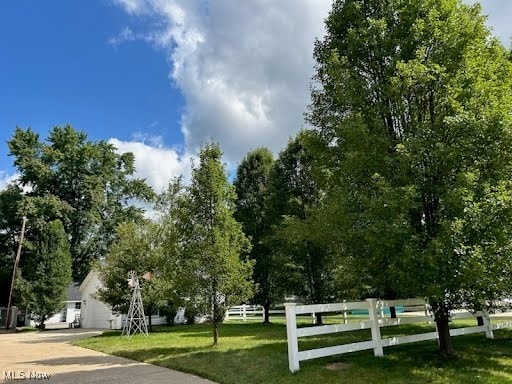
375,308
244,312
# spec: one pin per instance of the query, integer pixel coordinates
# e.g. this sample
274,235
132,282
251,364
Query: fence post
345,320
374,320
244,312
487,324
291,335
226,317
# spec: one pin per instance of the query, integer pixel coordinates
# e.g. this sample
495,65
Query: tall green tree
93,182
252,187
147,246
40,211
214,263
10,227
295,195
139,248
412,99
47,274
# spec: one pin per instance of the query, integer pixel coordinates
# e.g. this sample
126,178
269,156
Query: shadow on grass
204,331
149,354
405,365
242,356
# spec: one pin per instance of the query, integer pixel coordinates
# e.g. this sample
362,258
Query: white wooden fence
243,312
374,308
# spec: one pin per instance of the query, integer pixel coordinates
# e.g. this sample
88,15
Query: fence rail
243,312
374,323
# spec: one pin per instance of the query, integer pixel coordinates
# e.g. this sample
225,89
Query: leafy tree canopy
10,227
85,184
146,246
47,274
139,248
252,187
213,258
309,266
412,99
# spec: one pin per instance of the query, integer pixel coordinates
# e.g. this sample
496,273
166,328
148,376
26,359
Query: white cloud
244,68
125,35
7,178
156,164
131,6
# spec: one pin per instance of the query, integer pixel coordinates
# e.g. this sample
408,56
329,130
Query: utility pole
18,254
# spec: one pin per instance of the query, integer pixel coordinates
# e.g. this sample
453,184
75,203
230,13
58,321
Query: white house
71,311
96,314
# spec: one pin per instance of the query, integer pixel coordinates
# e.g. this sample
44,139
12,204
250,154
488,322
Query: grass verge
257,353
27,329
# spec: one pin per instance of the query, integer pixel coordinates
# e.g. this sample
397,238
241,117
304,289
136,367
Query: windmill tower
135,320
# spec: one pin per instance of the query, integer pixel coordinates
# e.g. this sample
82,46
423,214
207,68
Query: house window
78,305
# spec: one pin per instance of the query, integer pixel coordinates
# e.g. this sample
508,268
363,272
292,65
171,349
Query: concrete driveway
49,357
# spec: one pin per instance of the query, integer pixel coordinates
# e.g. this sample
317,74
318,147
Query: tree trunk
443,331
392,312
318,318
215,332
42,324
266,313
150,326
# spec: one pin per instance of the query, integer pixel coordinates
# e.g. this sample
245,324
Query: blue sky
58,67
159,77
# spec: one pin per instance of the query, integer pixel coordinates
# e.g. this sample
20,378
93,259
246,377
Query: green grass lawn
255,353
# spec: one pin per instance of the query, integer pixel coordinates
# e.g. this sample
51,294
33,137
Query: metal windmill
135,320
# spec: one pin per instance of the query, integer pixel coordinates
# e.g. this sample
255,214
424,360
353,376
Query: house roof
73,293
90,277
